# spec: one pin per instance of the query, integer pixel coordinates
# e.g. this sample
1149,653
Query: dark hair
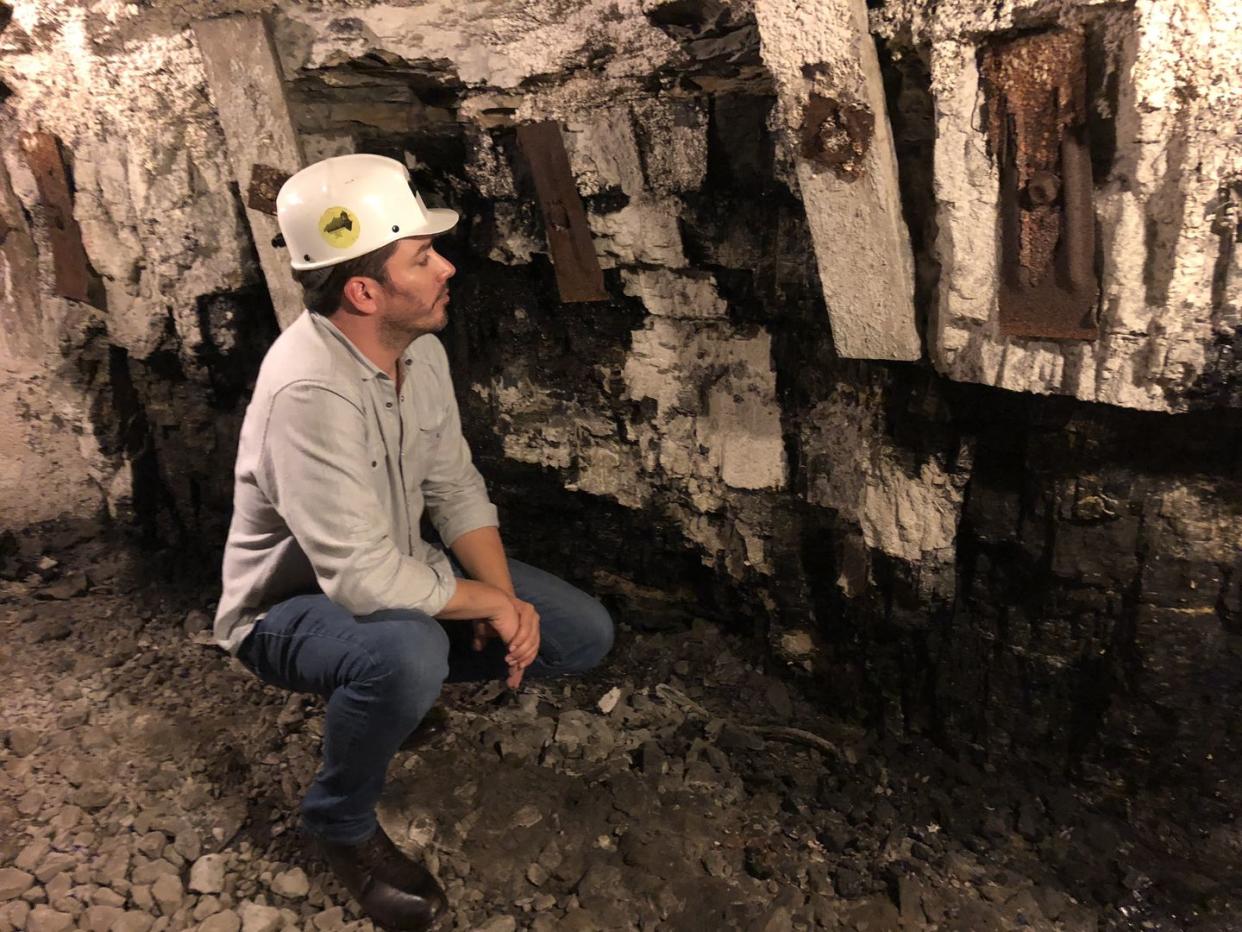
323,289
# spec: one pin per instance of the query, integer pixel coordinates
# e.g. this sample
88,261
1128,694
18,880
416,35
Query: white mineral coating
603,152
1166,215
547,431
862,246
160,224
674,143
552,444
645,231
610,468
515,237
319,146
487,168
671,361
499,45
906,507
666,293
159,221
716,431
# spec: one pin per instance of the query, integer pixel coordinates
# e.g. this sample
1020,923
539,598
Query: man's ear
361,293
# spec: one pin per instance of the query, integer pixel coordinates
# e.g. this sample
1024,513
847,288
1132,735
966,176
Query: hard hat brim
439,220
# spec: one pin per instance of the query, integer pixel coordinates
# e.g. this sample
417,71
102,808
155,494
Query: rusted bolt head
1043,188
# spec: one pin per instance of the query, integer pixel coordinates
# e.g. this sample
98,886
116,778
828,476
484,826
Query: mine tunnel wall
1013,572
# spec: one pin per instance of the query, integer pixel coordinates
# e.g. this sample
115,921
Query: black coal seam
151,494
918,202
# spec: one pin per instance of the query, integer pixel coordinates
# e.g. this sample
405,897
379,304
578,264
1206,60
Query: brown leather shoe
434,724
395,892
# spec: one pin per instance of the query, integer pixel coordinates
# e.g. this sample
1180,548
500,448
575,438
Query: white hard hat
347,206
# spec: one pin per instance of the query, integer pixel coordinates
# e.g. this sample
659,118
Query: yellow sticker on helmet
339,227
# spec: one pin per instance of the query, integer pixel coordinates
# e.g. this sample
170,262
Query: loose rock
292,884
23,741
207,874
101,918
168,893
45,919
133,921
14,882
257,918
227,921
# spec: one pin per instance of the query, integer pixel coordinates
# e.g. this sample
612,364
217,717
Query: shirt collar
371,370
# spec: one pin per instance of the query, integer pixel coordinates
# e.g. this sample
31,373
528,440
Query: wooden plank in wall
578,275
21,315
248,88
70,265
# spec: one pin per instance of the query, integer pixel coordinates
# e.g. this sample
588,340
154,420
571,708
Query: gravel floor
148,783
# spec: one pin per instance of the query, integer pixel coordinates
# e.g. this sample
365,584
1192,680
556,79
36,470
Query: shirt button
387,404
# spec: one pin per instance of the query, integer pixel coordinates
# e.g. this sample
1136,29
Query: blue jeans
380,673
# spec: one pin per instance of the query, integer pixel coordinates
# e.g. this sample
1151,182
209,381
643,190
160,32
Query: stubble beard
397,334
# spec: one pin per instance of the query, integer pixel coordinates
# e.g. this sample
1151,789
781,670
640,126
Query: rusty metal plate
265,184
70,265
578,275
836,135
1035,88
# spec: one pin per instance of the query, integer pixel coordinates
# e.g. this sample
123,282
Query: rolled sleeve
314,454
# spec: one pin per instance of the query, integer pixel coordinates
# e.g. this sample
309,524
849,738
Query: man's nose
449,269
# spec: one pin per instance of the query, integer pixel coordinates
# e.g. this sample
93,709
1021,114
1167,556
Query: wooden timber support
246,83
827,74
70,265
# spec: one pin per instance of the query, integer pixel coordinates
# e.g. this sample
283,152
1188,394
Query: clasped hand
517,624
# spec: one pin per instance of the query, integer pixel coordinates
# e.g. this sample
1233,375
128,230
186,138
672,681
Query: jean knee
409,665
598,634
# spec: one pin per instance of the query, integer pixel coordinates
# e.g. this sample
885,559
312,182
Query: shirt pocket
431,415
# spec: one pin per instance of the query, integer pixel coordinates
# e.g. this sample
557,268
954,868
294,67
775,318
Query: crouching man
328,588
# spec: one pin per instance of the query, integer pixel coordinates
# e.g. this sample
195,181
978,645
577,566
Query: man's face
415,299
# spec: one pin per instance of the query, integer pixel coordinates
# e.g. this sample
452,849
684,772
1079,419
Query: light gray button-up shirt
334,467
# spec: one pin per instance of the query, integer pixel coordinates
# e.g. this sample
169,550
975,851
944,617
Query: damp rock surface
687,784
